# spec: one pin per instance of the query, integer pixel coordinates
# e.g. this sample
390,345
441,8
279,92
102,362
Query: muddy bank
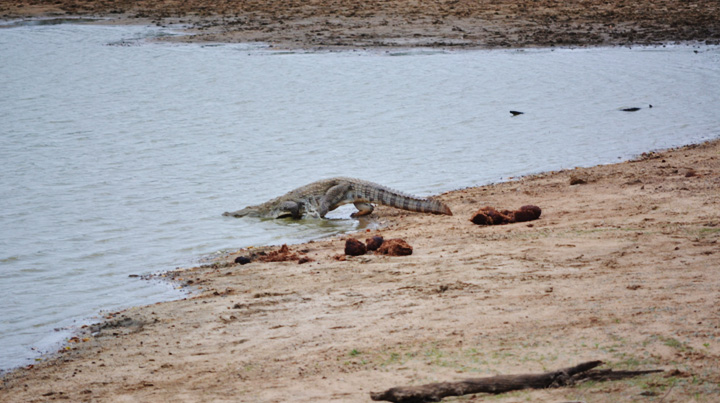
446,24
620,267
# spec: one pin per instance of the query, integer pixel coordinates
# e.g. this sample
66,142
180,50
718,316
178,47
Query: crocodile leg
332,198
363,209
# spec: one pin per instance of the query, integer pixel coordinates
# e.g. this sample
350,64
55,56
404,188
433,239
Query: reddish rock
481,218
527,213
281,255
489,216
353,247
507,217
497,217
395,247
374,243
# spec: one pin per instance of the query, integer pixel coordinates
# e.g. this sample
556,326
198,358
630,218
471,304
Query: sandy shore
380,23
621,268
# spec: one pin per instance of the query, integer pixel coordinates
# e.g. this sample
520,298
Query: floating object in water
515,113
631,109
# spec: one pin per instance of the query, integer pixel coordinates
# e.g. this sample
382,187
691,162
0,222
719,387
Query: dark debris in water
633,109
125,42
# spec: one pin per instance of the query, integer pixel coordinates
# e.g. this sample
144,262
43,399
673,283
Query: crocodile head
250,211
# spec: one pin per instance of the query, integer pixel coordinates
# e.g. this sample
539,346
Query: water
120,155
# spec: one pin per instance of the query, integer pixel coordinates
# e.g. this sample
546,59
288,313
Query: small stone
374,243
353,247
242,260
481,218
395,247
527,213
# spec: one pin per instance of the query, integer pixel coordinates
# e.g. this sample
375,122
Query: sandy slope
623,268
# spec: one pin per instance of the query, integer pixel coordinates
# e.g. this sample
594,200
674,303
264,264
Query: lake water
119,155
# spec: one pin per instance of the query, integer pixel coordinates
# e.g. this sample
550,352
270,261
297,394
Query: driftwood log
434,392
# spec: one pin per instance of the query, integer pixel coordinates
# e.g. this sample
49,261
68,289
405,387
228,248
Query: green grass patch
708,231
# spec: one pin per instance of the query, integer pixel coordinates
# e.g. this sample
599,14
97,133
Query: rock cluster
490,216
284,254
390,247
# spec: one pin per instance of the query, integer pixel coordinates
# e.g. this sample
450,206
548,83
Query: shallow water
120,155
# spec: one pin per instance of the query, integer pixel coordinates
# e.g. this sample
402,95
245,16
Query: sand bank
447,23
621,267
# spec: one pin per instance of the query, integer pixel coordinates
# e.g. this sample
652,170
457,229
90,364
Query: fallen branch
434,392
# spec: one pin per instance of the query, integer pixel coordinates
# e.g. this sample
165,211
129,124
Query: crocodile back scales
374,193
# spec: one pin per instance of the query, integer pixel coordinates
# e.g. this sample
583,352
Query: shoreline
620,267
450,24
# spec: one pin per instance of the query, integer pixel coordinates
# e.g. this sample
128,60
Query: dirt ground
408,23
622,267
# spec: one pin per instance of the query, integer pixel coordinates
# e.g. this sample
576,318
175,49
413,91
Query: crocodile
323,196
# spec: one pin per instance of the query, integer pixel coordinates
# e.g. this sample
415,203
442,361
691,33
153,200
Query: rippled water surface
119,155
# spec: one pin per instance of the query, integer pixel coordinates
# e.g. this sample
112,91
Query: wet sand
621,267
329,24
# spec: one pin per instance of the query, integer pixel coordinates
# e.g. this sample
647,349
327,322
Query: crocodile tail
420,205
439,207
379,194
